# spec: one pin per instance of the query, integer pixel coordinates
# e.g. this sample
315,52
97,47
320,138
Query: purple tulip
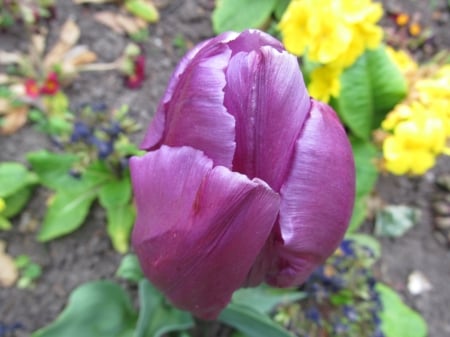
247,179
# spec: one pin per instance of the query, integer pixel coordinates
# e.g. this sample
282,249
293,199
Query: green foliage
29,271
164,318
370,88
397,319
74,197
130,269
251,322
238,15
142,9
396,220
16,184
364,154
96,309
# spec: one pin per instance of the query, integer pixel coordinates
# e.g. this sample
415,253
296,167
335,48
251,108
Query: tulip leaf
238,15
96,309
364,154
395,220
130,269
53,169
264,298
13,177
120,221
156,316
251,322
370,88
15,203
397,319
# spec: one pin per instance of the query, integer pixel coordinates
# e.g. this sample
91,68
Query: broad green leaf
370,88
97,174
120,222
96,309
53,169
280,8
156,316
115,192
130,268
264,298
13,177
397,319
364,154
395,220
15,202
250,322
66,213
143,9
238,15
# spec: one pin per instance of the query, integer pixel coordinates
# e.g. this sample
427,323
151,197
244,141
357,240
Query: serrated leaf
238,15
397,319
130,268
96,309
17,201
14,177
66,213
395,220
120,222
252,323
143,9
264,298
53,169
370,88
156,317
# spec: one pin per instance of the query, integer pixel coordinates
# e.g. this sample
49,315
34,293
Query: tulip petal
199,228
192,112
316,199
266,94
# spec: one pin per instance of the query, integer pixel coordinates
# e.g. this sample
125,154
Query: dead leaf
14,120
76,58
70,33
120,23
10,57
8,270
4,105
38,44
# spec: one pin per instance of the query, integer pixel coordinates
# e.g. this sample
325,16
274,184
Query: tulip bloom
246,179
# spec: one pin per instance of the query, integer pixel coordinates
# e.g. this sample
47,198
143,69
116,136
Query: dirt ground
87,254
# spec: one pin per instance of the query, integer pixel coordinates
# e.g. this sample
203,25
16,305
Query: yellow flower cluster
419,127
332,33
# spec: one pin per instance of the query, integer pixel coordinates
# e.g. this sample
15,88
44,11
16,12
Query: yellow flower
325,83
402,59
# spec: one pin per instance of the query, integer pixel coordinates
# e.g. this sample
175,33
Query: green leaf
280,8
370,88
130,268
66,213
156,317
250,322
120,222
238,15
397,319
13,177
96,309
53,169
17,201
395,220
364,154
142,9
264,298
116,192
5,224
